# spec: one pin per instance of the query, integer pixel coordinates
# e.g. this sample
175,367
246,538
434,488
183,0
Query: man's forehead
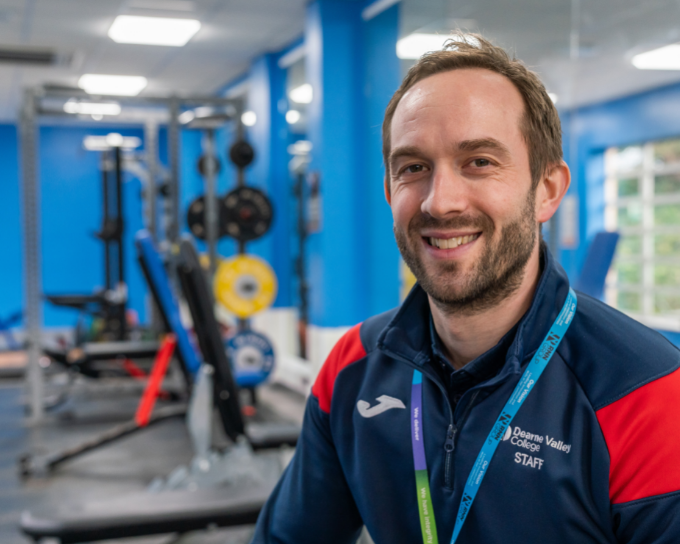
466,98
470,90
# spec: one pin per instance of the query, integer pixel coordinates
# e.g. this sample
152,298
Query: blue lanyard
526,383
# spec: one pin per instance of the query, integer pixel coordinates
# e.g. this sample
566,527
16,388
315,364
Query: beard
495,276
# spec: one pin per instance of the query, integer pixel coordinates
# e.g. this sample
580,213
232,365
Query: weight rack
148,111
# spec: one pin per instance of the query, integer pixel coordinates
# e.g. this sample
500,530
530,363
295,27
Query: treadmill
143,513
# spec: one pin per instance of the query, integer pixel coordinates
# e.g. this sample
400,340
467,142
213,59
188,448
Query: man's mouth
451,243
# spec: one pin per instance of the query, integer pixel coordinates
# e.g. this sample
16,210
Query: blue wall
353,68
11,293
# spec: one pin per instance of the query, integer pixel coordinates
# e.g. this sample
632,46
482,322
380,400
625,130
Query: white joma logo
384,403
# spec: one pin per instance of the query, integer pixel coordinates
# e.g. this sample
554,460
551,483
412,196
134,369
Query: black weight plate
241,154
203,164
196,218
249,213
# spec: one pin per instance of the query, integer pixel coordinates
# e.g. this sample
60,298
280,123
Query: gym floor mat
116,470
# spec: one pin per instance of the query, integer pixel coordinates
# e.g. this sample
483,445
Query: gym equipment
209,164
249,213
298,167
87,358
181,503
110,303
241,154
245,285
31,465
196,218
154,272
596,266
6,324
253,357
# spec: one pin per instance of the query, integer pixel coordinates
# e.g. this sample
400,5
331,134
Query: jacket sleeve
312,502
653,520
642,433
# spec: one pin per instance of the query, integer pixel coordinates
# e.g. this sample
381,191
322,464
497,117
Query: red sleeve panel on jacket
348,350
642,431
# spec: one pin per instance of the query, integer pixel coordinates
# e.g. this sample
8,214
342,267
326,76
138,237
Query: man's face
461,192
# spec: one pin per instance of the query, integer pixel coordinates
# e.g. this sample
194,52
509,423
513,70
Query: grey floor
115,470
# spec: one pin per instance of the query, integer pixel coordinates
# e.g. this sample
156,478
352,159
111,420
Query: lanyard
526,383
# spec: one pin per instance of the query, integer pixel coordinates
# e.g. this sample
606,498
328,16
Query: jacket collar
407,335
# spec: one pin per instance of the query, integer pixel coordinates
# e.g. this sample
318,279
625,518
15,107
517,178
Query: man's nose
447,195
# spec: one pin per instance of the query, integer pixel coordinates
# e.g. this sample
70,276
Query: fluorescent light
663,58
302,94
102,143
292,116
92,108
153,30
416,45
114,139
104,84
301,147
186,117
249,118
553,97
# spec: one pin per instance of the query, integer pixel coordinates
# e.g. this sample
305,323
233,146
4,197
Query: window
642,202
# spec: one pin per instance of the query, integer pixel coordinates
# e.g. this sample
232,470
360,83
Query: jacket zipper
449,443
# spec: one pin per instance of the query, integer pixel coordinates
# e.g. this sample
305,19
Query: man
494,405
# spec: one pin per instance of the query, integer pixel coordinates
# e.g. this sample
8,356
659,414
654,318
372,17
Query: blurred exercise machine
218,488
108,305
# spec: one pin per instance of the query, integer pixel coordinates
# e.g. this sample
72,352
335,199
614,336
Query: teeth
452,243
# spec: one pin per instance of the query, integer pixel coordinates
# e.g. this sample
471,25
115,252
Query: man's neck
467,336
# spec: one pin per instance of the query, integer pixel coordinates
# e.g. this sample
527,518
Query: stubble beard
496,275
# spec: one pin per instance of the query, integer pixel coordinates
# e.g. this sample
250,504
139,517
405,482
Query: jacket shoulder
612,354
631,375
352,347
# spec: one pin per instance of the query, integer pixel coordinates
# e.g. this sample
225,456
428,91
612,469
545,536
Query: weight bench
177,507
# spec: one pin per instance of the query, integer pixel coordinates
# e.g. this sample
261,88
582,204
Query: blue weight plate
252,357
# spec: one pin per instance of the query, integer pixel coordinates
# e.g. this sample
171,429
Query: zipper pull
448,445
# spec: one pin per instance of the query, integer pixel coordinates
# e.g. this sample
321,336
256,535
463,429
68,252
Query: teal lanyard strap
526,383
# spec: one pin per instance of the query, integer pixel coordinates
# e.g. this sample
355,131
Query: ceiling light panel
113,85
663,58
153,30
417,44
92,108
302,94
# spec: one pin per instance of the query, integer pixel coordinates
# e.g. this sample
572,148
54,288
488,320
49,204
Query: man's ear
388,195
551,190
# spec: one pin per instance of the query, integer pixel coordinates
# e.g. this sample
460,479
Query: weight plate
241,154
249,213
196,218
252,358
245,285
203,164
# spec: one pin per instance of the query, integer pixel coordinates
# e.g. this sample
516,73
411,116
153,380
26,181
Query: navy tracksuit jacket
593,455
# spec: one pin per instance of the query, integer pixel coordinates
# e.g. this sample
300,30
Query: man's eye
414,169
479,163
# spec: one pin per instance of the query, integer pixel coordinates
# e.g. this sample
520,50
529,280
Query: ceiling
233,32
606,33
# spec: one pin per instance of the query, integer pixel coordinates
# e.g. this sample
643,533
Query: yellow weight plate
245,285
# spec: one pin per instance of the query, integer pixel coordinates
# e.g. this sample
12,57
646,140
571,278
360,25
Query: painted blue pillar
269,171
352,66
382,73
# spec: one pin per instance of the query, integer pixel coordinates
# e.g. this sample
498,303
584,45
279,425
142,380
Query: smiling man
495,404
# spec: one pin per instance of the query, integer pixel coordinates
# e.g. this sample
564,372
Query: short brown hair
540,125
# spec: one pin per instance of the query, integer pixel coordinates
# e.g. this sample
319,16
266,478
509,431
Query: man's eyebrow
405,151
484,143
